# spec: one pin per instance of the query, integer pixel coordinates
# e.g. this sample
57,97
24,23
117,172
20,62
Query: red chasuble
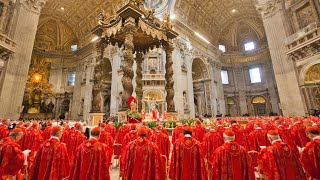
220,130
65,135
131,136
11,158
298,131
4,131
278,161
198,132
51,162
310,158
230,161
177,133
241,137
111,129
211,142
141,160
187,162
46,134
122,131
107,139
91,161
163,143
257,138
287,138
75,139
31,140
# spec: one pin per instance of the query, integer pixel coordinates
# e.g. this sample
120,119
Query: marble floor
114,172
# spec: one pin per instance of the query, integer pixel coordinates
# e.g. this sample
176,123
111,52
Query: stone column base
95,118
171,116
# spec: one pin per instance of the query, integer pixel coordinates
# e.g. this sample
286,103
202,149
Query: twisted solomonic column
139,82
169,77
127,70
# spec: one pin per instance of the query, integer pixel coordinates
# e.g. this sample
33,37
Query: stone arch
199,70
305,69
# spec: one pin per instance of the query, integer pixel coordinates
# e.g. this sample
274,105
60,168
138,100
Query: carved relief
269,7
305,16
34,5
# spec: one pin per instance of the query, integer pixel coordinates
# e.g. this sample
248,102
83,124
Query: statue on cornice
150,15
101,17
166,21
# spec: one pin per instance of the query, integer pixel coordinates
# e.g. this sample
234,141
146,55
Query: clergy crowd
272,148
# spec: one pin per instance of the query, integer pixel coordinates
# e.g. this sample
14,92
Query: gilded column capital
268,7
34,5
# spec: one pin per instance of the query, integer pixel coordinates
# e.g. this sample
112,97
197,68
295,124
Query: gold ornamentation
233,147
38,86
258,100
313,74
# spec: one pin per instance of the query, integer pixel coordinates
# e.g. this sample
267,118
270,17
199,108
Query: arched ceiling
81,15
199,70
237,33
208,17
54,36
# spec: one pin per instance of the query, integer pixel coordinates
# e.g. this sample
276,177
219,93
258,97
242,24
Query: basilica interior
208,58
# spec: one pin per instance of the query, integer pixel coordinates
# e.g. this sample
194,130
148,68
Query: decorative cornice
34,6
268,8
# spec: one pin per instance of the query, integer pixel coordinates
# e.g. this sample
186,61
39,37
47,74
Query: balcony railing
153,77
7,44
302,33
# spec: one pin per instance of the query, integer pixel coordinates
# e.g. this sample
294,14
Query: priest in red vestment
298,132
131,136
220,130
257,138
241,136
230,161
66,133
310,157
46,134
51,161
144,124
286,136
211,142
187,161
76,137
32,139
91,159
111,129
106,138
162,141
279,161
11,156
141,160
199,131
122,131
4,131
177,132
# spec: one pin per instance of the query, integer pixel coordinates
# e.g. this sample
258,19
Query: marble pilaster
291,101
23,31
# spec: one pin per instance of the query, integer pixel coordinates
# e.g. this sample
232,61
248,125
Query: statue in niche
106,103
50,107
120,99
82,107
43,108
65,103
185,101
